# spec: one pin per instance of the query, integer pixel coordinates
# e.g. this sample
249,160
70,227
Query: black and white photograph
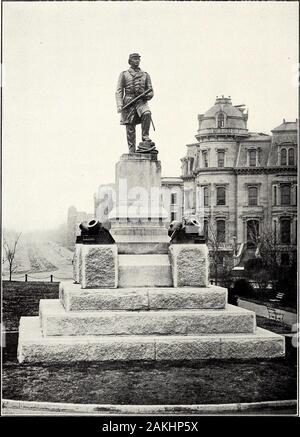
149,211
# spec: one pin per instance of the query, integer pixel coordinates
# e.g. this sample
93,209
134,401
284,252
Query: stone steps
76,299
33,347
56,321
144,271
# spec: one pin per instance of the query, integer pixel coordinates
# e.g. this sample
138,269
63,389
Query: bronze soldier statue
133,92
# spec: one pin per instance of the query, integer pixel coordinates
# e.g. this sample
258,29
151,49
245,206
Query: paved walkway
11,407
261,310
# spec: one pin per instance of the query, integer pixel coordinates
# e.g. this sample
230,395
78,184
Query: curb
110,409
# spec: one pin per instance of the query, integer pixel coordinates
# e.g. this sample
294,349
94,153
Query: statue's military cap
134,55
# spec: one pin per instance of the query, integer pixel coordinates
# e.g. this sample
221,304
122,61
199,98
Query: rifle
137,98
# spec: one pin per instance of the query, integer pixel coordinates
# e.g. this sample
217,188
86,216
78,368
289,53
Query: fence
31,278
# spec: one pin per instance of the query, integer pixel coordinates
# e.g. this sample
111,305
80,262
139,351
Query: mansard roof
286,126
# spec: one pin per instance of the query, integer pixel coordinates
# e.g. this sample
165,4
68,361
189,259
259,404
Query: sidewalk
11,407
261,310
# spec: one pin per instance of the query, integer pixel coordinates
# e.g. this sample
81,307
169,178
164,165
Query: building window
252,196
221,231
252,158
173,216
291,157
285,230
205,196
221,196
285,194
191,164
275,195
221,120
285,259
173,198
205,230
221,158
204,159
275,231
283,157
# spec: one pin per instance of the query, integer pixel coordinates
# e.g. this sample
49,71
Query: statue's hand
119,109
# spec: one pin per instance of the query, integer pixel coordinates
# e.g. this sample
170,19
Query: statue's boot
146,121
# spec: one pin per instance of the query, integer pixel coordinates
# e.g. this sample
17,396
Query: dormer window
291,156
287,155
283,157
221,120
252,158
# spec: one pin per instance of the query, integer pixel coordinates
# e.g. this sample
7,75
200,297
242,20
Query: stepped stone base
74,298
33,347
56,321
144,271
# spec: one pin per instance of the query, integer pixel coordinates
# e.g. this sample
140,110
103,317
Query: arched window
252,196
221,231
221,120
291,157
221,196
283,157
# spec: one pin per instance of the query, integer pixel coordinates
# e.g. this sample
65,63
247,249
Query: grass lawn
205,382
144,383
22,299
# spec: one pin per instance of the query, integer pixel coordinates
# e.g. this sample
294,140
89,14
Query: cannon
188,231
94,233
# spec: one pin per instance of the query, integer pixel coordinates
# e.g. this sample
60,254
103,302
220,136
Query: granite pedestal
137,220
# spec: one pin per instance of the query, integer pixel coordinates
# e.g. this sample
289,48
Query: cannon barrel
94,233
94,227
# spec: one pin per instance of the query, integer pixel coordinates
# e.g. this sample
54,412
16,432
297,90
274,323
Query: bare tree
268,251
267,246
10,249
214,242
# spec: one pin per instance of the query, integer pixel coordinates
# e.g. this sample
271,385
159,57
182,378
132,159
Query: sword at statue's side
152,124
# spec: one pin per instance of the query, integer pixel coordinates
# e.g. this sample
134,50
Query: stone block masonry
76,264
189,263
99,266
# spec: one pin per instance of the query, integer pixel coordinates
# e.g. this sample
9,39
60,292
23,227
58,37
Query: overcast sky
61,131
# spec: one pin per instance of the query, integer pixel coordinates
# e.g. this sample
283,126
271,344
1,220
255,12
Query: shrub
242,288
253,265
